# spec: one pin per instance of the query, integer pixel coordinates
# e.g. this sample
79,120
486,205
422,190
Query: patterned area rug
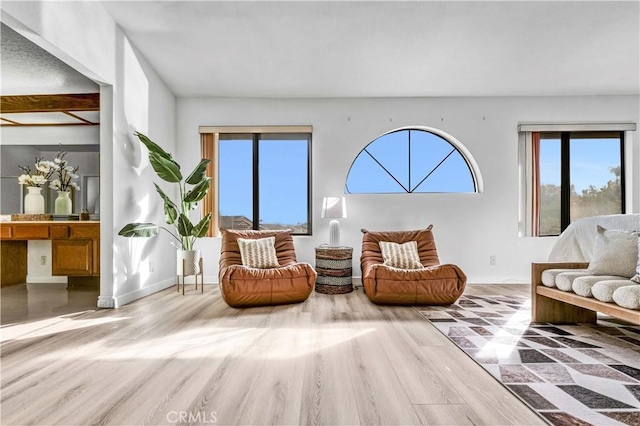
569,375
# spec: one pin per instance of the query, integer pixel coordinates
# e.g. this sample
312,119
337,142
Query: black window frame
565,176
255,170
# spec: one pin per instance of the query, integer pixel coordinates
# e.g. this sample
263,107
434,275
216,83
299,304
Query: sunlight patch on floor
217,342
504,342
49,326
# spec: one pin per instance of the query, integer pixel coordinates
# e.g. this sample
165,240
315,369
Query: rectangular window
263,177
235,181
580,174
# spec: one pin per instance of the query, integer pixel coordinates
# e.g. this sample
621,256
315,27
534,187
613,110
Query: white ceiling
395,48
27,69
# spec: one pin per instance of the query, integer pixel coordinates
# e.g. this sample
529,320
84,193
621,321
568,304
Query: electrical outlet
492,260
152,266
43,260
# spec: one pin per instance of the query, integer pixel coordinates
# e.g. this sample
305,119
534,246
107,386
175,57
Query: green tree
591,201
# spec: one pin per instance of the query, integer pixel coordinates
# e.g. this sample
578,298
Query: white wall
50,135
132,97
468,227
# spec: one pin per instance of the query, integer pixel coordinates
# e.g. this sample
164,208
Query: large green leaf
200,230
185,227
167,169
197,174
198,192
152,146
170,208
139,230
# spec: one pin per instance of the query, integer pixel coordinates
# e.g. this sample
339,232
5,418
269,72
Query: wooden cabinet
12,271
75,248
96,258
72,257
30,232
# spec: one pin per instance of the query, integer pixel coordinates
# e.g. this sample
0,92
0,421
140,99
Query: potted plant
191,190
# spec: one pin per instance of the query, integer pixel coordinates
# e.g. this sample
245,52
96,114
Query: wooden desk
75,248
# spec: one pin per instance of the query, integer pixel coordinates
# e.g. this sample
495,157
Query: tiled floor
28,302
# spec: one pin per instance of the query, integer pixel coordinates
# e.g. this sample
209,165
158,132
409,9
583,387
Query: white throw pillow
403,256
636,278
615,253
258,253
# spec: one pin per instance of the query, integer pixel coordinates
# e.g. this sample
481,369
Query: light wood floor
173,359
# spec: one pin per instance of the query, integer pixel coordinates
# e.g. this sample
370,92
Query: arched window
415,159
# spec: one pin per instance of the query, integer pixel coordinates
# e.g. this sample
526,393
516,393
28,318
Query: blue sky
590,161
392,151
282,177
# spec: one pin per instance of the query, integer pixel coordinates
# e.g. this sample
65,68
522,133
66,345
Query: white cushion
549,275
582,285
258,252
564,280
615,253
603,290
636,277
403,256
628,296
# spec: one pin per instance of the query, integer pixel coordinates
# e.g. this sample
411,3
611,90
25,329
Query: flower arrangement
65,174
43,172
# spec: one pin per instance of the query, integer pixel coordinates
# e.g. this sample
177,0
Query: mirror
86,157
12,196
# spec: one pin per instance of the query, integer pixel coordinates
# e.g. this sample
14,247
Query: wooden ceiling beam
50,103
46,124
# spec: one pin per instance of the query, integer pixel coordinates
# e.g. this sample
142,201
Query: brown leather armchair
435,284
241,286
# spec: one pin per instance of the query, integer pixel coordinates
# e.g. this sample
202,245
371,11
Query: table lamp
334,208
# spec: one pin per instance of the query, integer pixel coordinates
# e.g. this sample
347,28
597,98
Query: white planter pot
191,263
34,201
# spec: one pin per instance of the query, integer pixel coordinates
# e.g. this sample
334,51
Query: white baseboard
357,281
45,279
208,280
138,294
497,281
106,302
111,302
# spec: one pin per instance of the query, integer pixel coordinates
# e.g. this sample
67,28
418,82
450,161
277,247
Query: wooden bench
562,307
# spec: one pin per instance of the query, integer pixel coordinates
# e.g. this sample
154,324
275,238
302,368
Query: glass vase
63,203
34,201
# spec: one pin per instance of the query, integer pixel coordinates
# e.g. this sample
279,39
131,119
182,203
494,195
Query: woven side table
333,265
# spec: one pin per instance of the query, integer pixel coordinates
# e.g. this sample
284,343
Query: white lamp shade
334,207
